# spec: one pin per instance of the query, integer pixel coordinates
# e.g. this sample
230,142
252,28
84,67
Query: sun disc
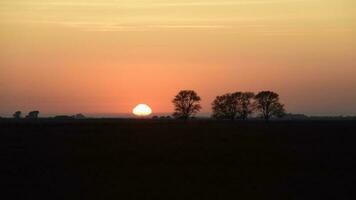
142,110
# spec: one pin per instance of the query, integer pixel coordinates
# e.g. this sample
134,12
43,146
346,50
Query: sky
106,56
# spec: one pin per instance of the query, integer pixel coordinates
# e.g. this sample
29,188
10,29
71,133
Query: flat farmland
158,159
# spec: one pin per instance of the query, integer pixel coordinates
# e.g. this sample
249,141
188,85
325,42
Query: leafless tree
267,103
187,104
245,104
225,106
232,105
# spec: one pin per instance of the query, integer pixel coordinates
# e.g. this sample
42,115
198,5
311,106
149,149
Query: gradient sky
106,56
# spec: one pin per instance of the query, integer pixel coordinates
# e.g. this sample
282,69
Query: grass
154,159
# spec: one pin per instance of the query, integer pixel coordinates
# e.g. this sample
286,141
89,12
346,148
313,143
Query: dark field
146,159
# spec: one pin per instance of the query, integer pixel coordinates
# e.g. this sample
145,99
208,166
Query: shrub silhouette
267,103
33,114
17,115
186,104
79,116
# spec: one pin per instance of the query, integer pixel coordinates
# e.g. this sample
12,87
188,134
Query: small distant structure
17,115
79,116
33,114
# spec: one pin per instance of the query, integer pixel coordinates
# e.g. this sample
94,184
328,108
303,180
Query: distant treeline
230,106
35,115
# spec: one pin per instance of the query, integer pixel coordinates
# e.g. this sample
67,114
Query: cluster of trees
238,105
30,115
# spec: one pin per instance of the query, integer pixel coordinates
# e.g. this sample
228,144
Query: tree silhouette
245,105
186,104
268,104
33,115
225,106
17,115
232,105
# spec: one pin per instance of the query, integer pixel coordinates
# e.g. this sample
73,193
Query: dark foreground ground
133,159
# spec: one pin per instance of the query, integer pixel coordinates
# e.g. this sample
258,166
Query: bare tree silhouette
186,104
268,104
245,104
17,115
33,115
225,106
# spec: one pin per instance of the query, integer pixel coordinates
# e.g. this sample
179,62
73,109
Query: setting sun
142,110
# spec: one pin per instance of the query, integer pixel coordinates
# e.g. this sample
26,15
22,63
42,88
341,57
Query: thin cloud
229,3
146,4
113,27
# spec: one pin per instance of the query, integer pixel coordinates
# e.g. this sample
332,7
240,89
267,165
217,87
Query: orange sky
107,56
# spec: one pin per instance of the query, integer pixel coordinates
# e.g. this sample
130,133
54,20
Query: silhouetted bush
17,115
33,114
79,116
